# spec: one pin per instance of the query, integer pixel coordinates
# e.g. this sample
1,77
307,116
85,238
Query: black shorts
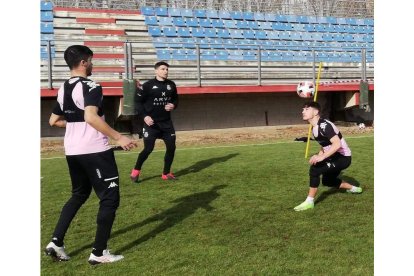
160,130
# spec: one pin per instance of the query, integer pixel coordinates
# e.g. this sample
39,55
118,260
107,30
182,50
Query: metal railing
129,66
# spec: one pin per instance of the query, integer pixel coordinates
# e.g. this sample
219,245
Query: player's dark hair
312,104
75,54
160,63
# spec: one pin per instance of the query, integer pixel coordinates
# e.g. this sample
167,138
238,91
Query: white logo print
98,173
323,125
154,87
328,164
163,94
168,87
91,84
112,185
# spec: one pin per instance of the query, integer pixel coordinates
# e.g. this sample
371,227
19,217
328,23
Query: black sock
57,242
97,253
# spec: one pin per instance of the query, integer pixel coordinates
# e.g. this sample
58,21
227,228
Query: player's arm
140,99
92,118
57,120
335,146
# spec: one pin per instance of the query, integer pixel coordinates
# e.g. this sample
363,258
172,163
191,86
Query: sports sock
57,242
97,253
353,189
309,199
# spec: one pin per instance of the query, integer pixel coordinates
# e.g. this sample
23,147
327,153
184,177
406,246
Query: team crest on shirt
168,87
322,126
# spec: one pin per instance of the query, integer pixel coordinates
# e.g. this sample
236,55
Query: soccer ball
305,89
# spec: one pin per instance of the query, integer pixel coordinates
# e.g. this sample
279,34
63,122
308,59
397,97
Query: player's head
310,110
79,57
161,70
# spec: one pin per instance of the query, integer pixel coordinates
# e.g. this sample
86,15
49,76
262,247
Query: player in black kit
333,157
154,104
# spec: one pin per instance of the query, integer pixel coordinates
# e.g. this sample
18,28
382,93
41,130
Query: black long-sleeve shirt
151,100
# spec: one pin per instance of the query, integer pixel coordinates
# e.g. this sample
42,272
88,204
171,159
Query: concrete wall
219,111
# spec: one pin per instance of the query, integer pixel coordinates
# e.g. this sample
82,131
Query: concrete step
110,26
103,14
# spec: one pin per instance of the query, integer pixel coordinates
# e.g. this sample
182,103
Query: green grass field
230,213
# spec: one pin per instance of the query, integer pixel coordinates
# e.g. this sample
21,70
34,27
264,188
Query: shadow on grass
200,165
332,191
185,207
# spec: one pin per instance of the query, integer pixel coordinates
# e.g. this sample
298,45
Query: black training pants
329,169
98,171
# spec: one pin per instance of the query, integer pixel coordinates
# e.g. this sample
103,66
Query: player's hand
148,120
126,143
315,159
169,106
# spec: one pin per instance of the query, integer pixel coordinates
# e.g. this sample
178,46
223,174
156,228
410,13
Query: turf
230,213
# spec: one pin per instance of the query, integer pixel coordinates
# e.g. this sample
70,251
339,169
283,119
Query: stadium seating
46,28
270,31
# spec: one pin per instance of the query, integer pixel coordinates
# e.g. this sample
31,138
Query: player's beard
89,71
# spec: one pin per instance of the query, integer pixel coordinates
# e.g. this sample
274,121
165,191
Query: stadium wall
211,111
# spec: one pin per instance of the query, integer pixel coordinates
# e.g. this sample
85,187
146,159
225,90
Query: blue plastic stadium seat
259,16
223,33
165,21
210,32
284,35
46,16
163,54
340,29
309,27
212,14
224,15
188,42
273,35
331,20
292,18
154,31
236,33
205,22
222,55
151,20
298,27
281,18
204,43
147,11
46,28
302,19
270,17
261,34
249,34
249,55
46,6
174,42
237,15
241,24
265,25
229,44
253,25
191,55
197,32
341,21
230,24
312,19
207,55
217,23
174,12
169,31
160,11
317,36
358,38
248,16
369,21
329,28
361,29
186,12
360,21
200,13
351,21
306,36
216,43
45,37
192,22
179,22
179,54
322,20
183,32
319,28
295,36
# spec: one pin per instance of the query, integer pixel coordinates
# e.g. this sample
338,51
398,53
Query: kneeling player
334,156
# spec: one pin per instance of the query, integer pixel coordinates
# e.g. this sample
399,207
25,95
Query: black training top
155,94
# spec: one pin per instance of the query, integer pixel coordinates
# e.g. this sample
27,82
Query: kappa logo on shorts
172,134
146,134
112,185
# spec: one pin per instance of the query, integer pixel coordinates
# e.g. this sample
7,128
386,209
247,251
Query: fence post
364,64
313,66
131,61
49,64
126,52
259,66
198,65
